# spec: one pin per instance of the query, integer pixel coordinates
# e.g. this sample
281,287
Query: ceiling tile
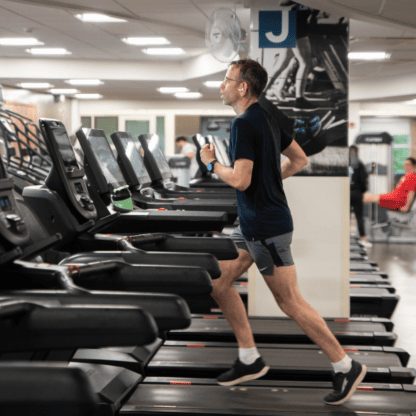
406,13
368,6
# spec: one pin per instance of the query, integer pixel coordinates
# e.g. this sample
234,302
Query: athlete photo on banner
305,53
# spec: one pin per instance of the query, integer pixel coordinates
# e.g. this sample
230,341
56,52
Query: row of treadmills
106,310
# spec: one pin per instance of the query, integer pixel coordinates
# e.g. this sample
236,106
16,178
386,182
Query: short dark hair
412,161
180,138
354,150
252,73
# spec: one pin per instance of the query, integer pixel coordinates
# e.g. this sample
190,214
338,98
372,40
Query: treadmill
132,400
101,191
97,151
206,178
152,169
384,358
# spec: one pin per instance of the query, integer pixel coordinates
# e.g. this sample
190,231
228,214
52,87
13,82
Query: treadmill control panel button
16,223
87,203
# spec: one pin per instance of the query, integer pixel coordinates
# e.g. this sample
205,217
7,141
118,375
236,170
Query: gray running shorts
274,251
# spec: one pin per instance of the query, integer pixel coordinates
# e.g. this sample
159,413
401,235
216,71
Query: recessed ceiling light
98,18
213,84
88,96
58,91
172,90
164,51
19,42
84,81
48,51
34,85
368,56
188,95
146,41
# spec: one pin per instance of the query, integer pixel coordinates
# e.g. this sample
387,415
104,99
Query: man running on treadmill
265,232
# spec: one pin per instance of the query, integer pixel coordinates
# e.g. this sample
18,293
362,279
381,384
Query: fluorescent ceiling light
172,90
19,42
48,51
84,82
164,51
368,56
34,85
98,18
58,91
88,96
146,41
188,95
213,84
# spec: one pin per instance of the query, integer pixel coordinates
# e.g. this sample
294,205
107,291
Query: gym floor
399,262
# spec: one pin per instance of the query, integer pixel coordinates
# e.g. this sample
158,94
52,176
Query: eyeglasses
227,80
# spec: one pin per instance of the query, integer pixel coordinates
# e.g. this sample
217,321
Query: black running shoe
241,372
345,384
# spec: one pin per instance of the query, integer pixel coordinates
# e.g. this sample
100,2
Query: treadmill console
12,227
102,168
155,160
200,142
66,177
131,159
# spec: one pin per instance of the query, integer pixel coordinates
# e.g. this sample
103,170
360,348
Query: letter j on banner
277,29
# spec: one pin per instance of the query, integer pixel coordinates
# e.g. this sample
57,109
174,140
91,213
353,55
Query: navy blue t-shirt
262,208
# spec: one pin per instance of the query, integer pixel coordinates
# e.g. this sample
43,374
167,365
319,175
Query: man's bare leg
228,299
283,284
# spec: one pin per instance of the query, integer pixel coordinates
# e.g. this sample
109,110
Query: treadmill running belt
287,364
285,331
248,400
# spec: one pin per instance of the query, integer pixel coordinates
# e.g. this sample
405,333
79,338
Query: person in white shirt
189,150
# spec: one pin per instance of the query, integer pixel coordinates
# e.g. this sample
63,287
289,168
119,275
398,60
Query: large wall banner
305,53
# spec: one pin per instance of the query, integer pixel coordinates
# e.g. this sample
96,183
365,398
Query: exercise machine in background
384,225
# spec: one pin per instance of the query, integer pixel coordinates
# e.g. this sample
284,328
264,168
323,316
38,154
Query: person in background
403,194
358,186
189,150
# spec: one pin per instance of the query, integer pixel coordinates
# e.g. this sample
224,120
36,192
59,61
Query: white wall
320,248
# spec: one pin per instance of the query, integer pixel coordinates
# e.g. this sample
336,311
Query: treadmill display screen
136,159
201,141
221,151
160,157
65,147
2,170
107,161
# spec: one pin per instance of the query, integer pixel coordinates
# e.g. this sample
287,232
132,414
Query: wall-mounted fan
224,35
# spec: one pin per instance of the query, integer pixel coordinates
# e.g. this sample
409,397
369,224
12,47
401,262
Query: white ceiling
387,25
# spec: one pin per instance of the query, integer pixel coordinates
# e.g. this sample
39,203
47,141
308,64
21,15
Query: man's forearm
289,168
227,175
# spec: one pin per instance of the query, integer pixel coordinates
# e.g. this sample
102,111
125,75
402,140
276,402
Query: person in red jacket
403,194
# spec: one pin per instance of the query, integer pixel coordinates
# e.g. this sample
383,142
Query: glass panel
404,139
137,127
108,124
399,156
160,131
86,122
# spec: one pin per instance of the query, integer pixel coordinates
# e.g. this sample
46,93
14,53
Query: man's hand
207,153
404,209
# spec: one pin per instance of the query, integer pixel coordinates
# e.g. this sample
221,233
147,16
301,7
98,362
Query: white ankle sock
343,366
248,355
